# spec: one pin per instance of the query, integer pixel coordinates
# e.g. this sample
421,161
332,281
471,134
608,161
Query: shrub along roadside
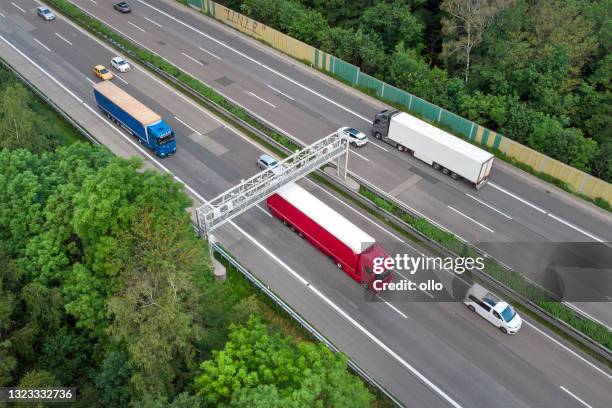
592,329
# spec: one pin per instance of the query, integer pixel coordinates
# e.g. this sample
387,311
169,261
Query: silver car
266,161
45,13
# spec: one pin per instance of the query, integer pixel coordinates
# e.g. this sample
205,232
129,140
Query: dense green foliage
258,368
538,71
514,280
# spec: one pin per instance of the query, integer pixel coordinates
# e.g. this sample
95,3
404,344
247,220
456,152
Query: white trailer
434,146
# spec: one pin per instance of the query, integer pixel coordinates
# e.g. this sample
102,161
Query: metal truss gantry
249,192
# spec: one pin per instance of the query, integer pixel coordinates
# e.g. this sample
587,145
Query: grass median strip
514,280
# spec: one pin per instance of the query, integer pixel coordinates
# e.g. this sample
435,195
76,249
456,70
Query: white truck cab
499,313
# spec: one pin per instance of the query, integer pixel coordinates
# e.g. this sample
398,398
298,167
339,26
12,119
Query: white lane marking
575,396
16,6
260,98
186,125
94,1
90,80
2,15
293,81
562,221
193,59
42,45
576,308
153,22
69,43
393,307
210,53
121,79
134,25
347,317
377,145
280,92
357,154
568,350
503,190
264,211
471,219
40,68
487,205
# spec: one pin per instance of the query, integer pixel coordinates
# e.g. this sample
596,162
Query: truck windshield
166,139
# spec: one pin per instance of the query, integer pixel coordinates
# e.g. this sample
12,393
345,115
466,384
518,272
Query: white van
499,313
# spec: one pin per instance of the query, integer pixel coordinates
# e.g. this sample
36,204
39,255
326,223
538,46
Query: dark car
123,7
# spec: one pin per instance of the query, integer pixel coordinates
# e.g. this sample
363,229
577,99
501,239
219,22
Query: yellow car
102,73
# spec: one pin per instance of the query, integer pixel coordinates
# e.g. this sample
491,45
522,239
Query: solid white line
280,92
357,154
261,99
569,350
471,219
393,307
42,45
377,145
517,197
210,53
90,80
193,59
2,15
562,221
22,10
154,22
63,38
258,63
487,205
121,79
185,124
576,308
576,397
134,25
264,211
94,1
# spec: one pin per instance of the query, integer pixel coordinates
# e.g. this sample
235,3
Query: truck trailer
453,156
136,118
351,249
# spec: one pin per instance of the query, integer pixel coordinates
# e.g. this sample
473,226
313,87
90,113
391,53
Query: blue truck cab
136,118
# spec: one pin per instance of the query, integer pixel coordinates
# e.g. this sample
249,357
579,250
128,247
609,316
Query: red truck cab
352,249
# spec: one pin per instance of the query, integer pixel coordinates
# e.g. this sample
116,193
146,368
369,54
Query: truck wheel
284,222
445,171
300,234
292,228
454,176
436,166
472,308
339,265
400,147
378,135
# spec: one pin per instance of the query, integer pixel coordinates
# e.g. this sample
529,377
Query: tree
395,23
113,377
154,311
465,24
258,367
19,125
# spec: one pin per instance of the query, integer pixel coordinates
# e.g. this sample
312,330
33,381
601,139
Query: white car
499,313
120,64
45,13
356,138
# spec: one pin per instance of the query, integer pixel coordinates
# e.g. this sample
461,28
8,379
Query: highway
427,354
307,105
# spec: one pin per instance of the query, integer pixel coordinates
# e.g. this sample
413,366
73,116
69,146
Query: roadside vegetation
105,287
535,71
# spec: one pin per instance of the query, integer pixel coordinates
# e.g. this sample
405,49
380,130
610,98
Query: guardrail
549,318
299,319
50,102
509,292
